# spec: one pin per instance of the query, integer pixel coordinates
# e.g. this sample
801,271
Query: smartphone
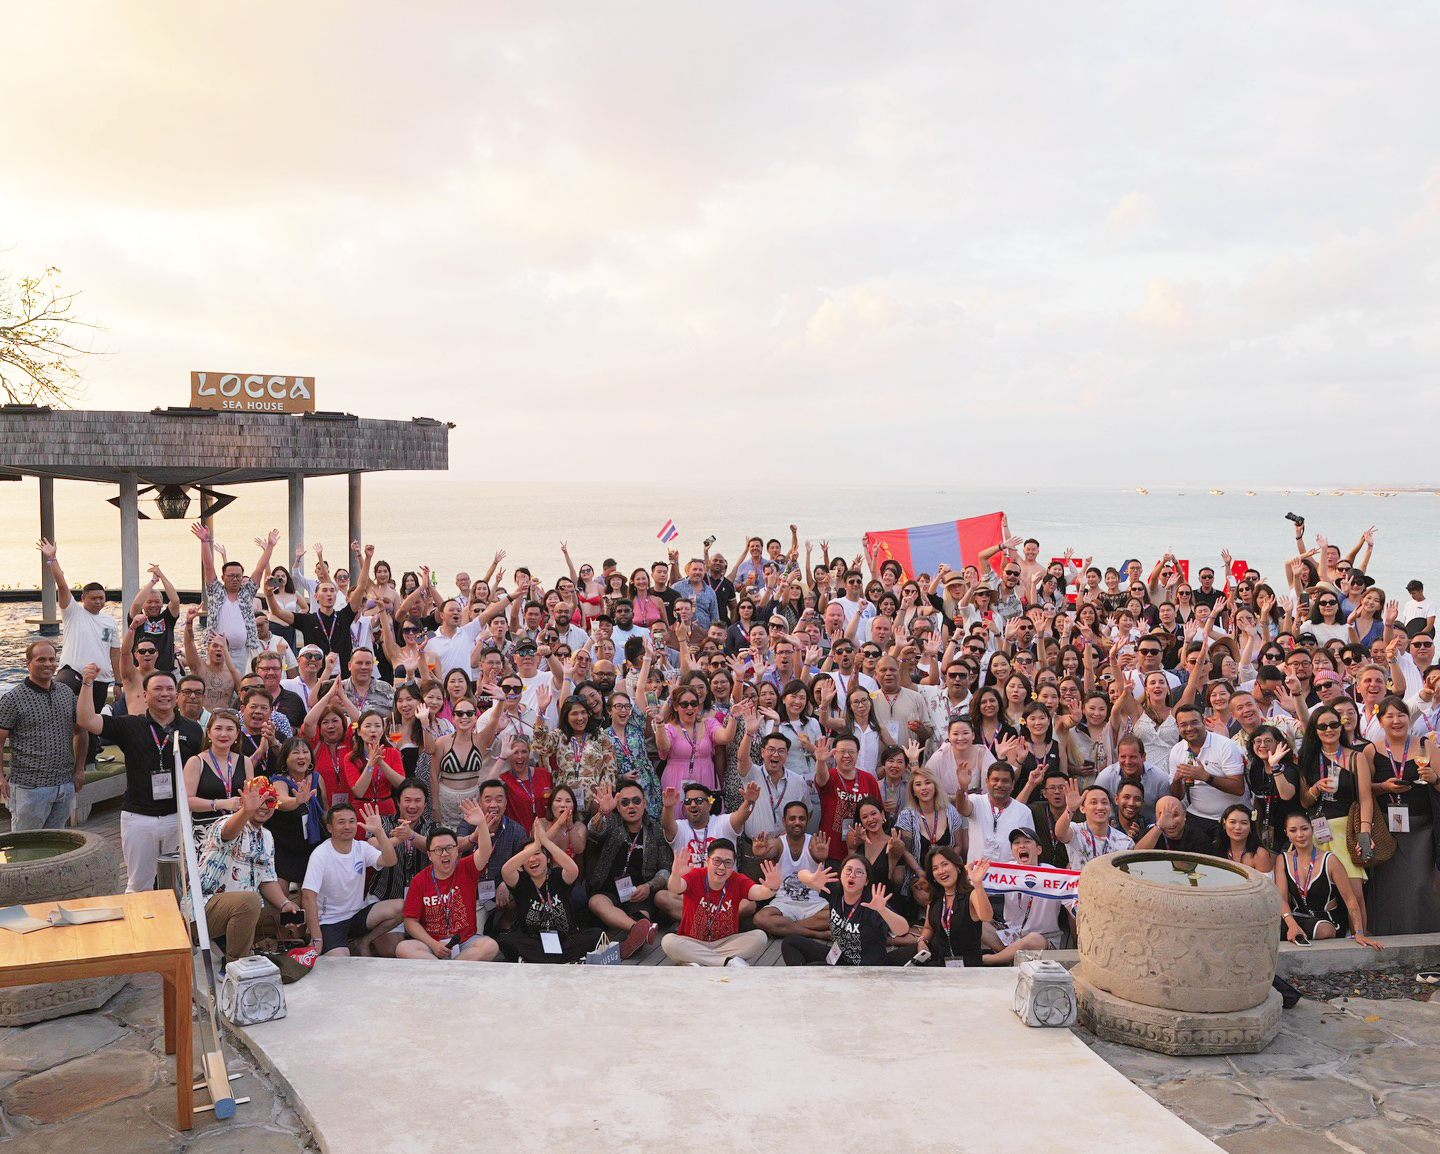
710,540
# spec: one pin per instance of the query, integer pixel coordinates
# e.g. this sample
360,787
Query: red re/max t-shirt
838,800
710,915
445,909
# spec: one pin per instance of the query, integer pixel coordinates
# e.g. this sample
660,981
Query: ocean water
452,524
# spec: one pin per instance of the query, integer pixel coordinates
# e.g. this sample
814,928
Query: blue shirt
707,608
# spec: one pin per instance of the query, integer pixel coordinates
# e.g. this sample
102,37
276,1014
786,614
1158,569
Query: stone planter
54,865
1177,953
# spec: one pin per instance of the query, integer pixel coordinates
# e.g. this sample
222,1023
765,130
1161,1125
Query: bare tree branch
41,359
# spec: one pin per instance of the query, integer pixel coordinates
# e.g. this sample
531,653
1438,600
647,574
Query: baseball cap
526,646
1017,834
311,651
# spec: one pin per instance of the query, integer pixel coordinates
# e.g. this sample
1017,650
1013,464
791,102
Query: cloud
926,217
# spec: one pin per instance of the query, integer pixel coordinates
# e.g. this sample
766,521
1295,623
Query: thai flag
668,532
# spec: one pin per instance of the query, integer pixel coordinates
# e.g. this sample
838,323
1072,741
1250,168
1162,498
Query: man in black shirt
149,821
328,628
1206,594
284,701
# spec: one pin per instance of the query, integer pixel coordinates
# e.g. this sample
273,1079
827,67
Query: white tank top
792,886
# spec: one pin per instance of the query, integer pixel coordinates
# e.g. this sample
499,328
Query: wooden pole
49,623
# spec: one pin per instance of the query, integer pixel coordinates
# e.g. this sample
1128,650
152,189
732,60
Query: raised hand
770,876
604,798
822,878
370,815
198,529
1072,795
752,792
879,898
1392,612
976,872
470,810
760,845
820,846
823,749
670,798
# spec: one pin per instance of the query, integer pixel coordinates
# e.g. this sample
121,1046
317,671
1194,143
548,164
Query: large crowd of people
721,752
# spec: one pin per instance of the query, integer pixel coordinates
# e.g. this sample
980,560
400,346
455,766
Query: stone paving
101,1081
1353,1075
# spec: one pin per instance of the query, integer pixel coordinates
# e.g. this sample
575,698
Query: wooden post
129,542
355,531
49,623
297,517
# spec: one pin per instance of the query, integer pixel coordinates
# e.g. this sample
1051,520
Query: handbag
1382,841
605,953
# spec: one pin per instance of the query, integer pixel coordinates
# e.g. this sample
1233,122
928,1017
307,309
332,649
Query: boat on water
1284,492
1146,491
1217,492
1336,493
1249,492
1310,492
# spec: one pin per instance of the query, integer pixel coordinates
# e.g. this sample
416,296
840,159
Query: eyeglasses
464,713
192,693
721,863
627,802
451,848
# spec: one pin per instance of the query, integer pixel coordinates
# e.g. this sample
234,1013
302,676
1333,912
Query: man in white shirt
1094,836
950,698
450,647
776,787
697,828
993,815
1031,923
1207,771
92,637
1418,608
333,893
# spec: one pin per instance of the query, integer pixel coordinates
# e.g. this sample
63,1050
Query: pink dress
648,611
690,761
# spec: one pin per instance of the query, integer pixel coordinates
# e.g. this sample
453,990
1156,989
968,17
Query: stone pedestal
1175,1032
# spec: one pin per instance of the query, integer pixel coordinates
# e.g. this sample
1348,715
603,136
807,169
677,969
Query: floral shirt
581,764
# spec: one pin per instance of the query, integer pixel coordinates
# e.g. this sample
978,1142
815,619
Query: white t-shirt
718,826
769,812
551,716
89,637
453,652
338,881
1413,609
990,831
231,622
1220,757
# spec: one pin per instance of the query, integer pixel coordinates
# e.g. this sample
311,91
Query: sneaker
737,961
640,933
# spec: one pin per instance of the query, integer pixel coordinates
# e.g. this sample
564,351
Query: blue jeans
43,807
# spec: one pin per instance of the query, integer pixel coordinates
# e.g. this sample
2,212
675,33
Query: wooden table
152,939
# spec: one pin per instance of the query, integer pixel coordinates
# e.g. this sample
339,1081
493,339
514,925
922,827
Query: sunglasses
629,801
146,652
1327,601
1327,726
696,800
464,713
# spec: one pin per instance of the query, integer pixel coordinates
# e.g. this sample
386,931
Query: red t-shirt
710,915
328,759
379,793
837,806
527,800
445,909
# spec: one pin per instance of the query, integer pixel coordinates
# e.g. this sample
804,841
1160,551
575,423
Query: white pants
142,840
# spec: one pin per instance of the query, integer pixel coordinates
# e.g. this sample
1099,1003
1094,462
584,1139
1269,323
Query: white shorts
798,911
1009,937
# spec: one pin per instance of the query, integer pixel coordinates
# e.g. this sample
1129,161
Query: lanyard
771,793
1104,845
158,735
947,912
855,909
228,776
329,633
635,843
1404,757
1309,873
528,785
929,827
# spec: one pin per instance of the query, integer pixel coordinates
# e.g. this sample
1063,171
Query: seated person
797,909
539,878
237,871
711,891
506,837
1172,830
1312,886
1095,836
859,929
440,903
1031,923
408,829
334,890
630,864
959,907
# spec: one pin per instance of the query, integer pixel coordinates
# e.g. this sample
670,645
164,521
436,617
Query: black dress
954,932
1318,901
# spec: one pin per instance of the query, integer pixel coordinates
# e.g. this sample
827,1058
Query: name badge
624,887
485,891
1399,819
455,951
833,957
550,941
893,729
162,786
1322,830
954,963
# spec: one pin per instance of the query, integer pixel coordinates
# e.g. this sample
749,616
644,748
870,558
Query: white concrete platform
407,1058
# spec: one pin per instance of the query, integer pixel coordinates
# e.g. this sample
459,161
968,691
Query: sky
919,242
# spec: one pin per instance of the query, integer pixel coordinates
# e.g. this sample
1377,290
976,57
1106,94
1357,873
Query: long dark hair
357,743
1222,839
592,723
1311,769
962,882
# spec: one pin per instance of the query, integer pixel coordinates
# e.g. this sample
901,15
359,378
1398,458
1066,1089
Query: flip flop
1429,977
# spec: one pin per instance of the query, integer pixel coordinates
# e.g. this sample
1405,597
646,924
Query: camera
710,540
1299,520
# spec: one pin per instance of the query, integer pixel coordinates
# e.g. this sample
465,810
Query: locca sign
252,393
